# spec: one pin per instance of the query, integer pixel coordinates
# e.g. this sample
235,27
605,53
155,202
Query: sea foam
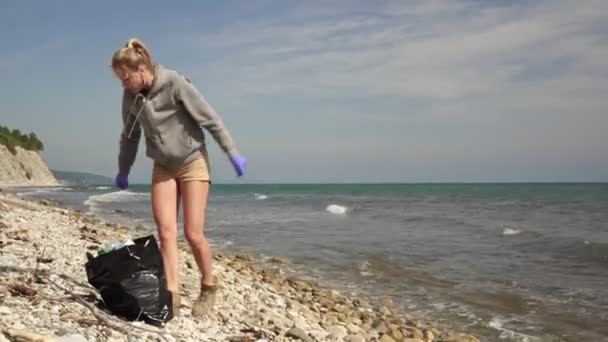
94,201
337,209
510,231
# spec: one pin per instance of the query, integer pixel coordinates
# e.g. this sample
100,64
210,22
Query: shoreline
16,186
256,301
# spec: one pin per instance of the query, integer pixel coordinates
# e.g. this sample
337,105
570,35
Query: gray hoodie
171,115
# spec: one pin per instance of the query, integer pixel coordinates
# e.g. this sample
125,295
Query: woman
171,112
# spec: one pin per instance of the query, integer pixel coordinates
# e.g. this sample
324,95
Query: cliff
25,168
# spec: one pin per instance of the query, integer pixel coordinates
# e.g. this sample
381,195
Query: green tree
13,138
35,143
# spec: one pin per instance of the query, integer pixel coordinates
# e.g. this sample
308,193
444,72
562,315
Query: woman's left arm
202,112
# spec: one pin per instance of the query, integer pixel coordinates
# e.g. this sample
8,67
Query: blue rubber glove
238,163
122,181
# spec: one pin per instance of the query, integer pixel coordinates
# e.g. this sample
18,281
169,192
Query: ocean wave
42,191
510,231
94,201
260,196
102,187
220,243
498,324
365,269
337,209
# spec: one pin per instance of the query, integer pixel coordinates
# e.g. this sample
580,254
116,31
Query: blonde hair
131,56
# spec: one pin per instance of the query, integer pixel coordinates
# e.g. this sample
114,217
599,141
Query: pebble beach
45,295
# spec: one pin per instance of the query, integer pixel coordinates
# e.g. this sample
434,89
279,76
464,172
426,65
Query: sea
505,262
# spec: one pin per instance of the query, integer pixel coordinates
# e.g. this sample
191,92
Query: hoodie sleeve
202,112
129,137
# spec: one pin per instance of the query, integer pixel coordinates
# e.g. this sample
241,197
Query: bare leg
165,206
195,195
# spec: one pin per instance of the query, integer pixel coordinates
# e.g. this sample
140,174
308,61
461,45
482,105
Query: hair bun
132,54
131,43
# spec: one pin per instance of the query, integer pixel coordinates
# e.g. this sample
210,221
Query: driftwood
106,319
110,321
24,336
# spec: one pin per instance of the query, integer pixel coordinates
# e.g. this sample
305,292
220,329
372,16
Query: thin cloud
444,53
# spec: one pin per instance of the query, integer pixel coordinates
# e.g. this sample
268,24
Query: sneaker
205,301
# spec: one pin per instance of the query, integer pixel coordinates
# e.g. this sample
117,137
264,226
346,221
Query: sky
329,91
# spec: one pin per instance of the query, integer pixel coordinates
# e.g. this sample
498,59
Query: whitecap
510,231
113,197
365,269
260,196
336,209
498,324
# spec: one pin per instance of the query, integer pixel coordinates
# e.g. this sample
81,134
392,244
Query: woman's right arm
129,138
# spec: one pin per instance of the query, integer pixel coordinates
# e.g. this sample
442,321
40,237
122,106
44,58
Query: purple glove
238,163
122,181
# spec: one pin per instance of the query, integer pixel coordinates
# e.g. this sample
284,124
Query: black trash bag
131,281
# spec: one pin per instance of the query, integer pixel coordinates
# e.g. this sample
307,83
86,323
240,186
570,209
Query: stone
336,333
354,338
377,322
435,332
291,314
274,318
278,260
385,311
326,302
299,284
380,325
331,318
397,334
24,235
71,338
387,338
371,335
241,338
244,257
18,326
22,290
416,333
353,329
460,338
412,323
237,265
362,303
354,320
300,323
298,334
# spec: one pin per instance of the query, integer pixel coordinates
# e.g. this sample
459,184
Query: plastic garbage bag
131,281
110,246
